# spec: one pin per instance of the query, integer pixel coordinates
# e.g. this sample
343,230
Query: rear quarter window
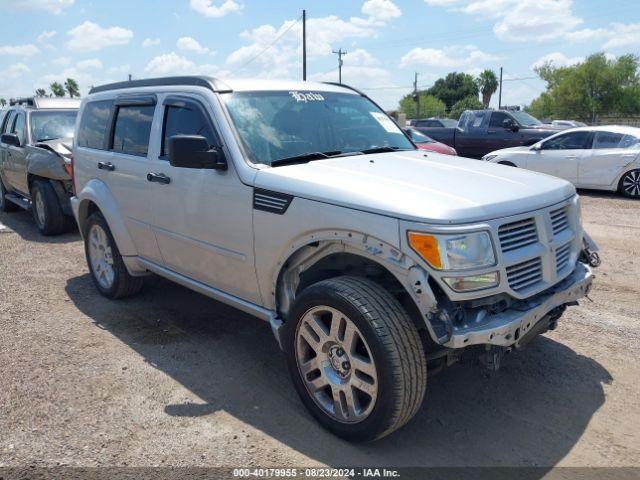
133,129
93,124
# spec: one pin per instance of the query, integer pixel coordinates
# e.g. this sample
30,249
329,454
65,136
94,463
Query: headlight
488,158
462,251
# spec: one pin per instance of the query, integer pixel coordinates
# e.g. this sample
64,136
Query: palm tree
488,84
72,87
41,92
57,89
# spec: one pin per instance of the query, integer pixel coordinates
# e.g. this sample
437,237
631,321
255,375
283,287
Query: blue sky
386,40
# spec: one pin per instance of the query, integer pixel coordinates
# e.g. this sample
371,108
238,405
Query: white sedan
603,158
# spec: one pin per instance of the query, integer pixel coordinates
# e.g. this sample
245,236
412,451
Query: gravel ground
173,378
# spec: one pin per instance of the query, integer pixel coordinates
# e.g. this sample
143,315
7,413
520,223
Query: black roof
211,83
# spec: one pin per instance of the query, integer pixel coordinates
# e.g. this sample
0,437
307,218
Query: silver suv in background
304,204
35,160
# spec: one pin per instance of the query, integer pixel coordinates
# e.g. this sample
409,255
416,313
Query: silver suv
305,205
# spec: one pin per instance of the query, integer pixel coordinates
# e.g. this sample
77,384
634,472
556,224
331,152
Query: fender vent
269,201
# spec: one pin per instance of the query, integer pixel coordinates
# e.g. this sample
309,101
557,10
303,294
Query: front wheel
47,212
630,184
355,358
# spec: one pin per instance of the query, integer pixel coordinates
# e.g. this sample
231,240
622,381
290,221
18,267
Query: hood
61,146
419,187
510,149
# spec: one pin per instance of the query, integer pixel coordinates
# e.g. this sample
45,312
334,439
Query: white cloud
208,8
53,6
90,64
89,37
61,61
150,42
383,10
557,59
617,35
119,70
20,50
450,57
520,20
174,64
587,34
189,44
46,35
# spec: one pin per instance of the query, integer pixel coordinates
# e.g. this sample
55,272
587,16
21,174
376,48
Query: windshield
525,119
278,125
449,123
418,137
48,125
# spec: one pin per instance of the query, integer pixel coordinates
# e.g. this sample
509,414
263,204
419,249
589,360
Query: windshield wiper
47,139
304,158
383,150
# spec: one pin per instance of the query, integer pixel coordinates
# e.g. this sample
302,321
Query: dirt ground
173,378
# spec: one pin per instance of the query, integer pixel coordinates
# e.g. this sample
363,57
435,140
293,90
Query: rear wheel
355,358
46,209
5,205
108,271
630,184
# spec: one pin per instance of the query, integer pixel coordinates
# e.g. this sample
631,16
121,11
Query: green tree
72,87
430,106
453,88
3,102
598,86
57,89
41,92
468,103
488,84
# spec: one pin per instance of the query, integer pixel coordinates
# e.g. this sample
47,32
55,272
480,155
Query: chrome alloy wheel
101,256
631,183
39,206
336,364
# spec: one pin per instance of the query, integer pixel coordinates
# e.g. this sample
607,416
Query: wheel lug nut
340,352
346,365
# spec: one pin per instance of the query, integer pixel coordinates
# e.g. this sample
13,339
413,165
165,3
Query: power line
267,47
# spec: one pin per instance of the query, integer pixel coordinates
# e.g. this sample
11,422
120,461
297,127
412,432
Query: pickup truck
35,160
305,205
482,131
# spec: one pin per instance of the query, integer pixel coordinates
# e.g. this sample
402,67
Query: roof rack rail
211,83
22,101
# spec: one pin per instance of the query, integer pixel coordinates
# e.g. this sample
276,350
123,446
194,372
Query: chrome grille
559,220
562,257
525,274
517,234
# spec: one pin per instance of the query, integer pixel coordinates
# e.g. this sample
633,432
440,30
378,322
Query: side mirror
194,151
509,124
10,139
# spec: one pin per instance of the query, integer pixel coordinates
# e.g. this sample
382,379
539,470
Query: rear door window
133,129
93,125
607,140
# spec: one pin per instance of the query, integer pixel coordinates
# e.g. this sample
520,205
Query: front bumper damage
509,327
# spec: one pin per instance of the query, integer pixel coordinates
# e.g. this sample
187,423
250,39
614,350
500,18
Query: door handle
571,157
106,166
158,178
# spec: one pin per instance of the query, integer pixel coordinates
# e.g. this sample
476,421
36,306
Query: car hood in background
439,189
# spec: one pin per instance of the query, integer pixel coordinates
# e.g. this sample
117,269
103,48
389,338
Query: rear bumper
506,328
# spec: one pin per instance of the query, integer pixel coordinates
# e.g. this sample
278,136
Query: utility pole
340,54
304,45
500,94
416,95
129,77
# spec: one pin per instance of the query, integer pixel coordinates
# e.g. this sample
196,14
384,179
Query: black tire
124,285
6,205
395,346
53,220
629,185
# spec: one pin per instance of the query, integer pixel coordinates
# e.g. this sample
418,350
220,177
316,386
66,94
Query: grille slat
559,220
518,234
273,202
525,274
562,257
